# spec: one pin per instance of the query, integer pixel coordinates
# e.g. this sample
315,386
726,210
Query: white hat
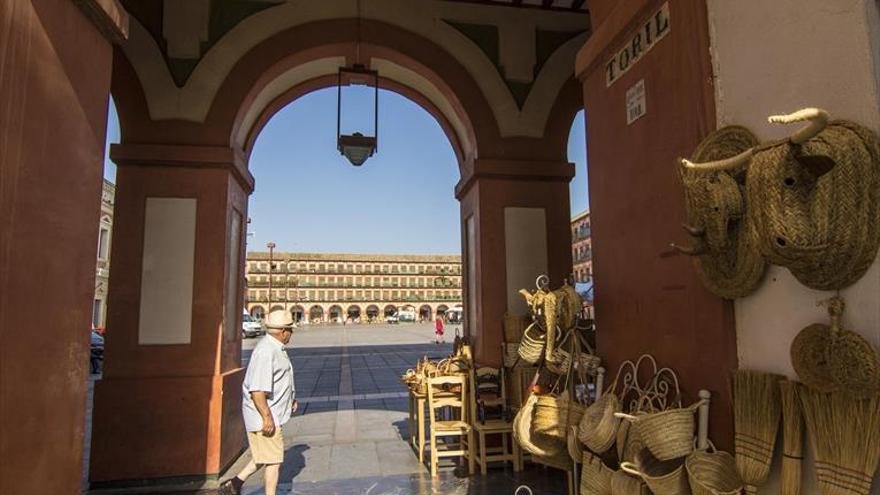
279,319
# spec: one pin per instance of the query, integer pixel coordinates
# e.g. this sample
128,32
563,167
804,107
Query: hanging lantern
357,147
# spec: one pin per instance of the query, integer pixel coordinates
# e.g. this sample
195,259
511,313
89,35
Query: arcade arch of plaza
194,87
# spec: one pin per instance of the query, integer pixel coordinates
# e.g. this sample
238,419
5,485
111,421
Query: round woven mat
854,364
731,267
809,357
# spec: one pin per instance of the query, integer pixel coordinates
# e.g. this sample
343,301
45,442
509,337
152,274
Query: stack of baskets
417,379
655,447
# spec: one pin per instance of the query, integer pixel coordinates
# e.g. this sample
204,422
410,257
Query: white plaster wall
777,57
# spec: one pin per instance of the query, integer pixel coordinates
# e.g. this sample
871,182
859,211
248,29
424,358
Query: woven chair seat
494,425
446,426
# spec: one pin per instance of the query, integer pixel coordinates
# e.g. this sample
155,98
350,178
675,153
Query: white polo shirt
270,371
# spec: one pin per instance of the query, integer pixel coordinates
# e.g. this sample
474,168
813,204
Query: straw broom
845,436
792,438
756,407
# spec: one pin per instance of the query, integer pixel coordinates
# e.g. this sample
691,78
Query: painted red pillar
648,297
54,83
168,407
515,226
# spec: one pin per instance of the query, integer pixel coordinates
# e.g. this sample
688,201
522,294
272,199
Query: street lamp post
271,246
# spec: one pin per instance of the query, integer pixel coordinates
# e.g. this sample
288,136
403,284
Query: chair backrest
488,389
447,391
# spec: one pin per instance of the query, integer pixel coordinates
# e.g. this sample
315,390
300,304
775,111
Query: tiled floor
349,434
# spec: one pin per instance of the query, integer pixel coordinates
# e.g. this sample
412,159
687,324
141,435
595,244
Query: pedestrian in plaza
268,400
439,330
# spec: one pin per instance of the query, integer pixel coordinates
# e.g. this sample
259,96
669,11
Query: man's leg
270,476
248,470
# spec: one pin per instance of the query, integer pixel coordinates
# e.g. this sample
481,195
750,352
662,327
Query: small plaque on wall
635,102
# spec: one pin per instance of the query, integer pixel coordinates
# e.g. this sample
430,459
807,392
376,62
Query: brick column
515,226
168,407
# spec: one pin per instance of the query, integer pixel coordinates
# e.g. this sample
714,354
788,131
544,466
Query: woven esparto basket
663,477
514,326
624,484
598,425
667,434
713,473
531,347
561,361
541,445
595,476
511,356
554,414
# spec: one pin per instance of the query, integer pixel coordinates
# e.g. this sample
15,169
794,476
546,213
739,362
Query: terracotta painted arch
311,42
316,312
389,310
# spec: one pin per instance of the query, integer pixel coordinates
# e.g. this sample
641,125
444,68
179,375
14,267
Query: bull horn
724,164
694,231
690,251
817,117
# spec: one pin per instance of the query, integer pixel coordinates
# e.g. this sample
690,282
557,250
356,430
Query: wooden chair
492,416
448,395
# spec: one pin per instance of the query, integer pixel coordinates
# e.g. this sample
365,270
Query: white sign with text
635,102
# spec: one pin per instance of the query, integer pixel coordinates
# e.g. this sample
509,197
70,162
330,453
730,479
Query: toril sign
652,31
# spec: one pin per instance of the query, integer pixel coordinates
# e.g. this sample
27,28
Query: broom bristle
757,407
792,438
845,437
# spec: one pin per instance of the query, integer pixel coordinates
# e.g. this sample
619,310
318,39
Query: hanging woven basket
531,347
595,476
667,434
598,425
554,414
663,477
713,473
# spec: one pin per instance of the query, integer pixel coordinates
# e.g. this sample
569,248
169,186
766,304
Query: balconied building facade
321,288
102,264
581,247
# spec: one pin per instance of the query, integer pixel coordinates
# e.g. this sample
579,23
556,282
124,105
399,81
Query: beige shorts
266,450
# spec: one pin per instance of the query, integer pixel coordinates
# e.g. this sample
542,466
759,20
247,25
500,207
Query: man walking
268,401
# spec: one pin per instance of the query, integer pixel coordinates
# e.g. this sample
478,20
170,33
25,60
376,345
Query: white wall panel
167,271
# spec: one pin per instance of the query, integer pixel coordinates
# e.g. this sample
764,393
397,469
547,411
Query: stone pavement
349,435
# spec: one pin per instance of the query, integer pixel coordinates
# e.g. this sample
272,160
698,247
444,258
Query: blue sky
308,197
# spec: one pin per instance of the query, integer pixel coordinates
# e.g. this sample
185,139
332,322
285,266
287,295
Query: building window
97,310
104,243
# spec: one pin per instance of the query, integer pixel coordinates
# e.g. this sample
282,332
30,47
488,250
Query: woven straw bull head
813,199
725,255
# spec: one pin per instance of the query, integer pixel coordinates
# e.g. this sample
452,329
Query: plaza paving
349,435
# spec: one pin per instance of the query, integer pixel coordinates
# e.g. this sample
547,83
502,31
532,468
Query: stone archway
372,313
353,313
298,313
425,313
335,314
441,310
316,314
258,312
192,138
389,310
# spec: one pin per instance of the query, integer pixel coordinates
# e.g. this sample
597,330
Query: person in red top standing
439,330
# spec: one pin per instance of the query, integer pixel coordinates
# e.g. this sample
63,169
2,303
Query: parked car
392,319
407,315
251,327
96,352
